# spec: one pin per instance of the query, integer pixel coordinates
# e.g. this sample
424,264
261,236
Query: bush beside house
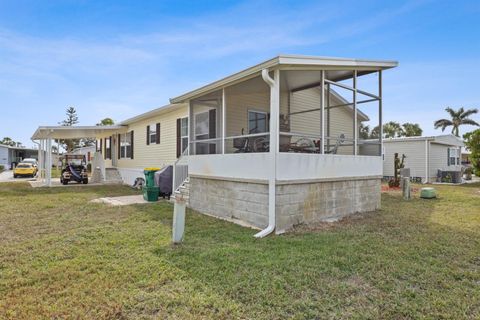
472,141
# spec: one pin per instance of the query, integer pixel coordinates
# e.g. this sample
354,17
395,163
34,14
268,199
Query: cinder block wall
295,203
231,200
313,202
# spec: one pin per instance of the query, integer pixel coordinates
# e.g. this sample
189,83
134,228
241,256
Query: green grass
63,257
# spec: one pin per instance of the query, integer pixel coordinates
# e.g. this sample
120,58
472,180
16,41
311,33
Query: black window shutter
101,145
131,144
179,137
105,156
119,145
448,156
148,135
212,129
157,136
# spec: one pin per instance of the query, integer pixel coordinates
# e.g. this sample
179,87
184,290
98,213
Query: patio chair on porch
340,140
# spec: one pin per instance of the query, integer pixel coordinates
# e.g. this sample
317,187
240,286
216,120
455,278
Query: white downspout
274,116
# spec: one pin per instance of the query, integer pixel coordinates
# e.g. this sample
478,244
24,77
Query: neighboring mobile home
10,156
273,146
430,159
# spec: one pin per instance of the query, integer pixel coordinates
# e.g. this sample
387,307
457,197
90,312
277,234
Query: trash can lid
151,169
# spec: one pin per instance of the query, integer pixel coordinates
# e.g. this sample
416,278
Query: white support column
380,109
49,162
328,115
322,111
355,115
191,148
224,115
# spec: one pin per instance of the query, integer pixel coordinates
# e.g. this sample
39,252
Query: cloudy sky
121,58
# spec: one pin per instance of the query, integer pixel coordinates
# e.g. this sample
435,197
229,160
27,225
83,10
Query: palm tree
411,129
392,129
459,117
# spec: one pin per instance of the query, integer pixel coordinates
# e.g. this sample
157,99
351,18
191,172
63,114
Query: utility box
178,227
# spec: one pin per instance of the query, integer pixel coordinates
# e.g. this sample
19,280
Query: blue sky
121,58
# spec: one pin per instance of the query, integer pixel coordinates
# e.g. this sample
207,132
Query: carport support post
49,162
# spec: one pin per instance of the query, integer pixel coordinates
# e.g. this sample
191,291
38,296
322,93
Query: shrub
2,167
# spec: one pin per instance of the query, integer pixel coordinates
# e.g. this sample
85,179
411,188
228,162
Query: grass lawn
62,257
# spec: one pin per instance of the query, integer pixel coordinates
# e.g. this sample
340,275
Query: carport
44,135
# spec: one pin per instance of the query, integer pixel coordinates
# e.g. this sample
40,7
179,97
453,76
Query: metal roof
151,113
291,62
446,139
74,132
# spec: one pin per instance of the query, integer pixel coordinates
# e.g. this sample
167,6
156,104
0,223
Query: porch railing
180,170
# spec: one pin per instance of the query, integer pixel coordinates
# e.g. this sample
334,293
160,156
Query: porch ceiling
337,69
75,132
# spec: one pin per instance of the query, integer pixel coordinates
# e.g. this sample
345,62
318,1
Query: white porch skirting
130,174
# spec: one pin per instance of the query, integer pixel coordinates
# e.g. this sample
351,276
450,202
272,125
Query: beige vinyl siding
237,106
413,150
438,160
154,155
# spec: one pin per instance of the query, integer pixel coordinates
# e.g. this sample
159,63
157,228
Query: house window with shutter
99,145
153,134
126,145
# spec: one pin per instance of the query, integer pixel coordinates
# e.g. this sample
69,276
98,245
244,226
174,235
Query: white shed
424,155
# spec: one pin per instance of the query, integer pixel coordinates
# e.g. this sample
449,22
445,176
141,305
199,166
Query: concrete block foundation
296,203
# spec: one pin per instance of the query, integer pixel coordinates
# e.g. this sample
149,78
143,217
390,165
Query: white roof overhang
337,69
75,132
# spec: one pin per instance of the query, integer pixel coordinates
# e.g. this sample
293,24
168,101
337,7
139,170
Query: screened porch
320,112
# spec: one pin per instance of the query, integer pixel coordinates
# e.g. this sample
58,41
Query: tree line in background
72,119
391,129
10,142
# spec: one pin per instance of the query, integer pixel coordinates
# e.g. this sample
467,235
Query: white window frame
183,136
124,146
248,120
152,132
454,153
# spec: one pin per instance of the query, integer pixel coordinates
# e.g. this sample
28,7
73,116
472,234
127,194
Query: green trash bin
150,194
149,176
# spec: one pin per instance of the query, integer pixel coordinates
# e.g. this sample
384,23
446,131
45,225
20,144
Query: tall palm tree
411,129
459,117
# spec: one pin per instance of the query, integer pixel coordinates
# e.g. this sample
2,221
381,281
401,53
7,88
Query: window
184,133
152,134
257,122
453,156
201,126
126,145
108,148
99,145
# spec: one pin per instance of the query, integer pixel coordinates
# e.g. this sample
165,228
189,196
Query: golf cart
74,169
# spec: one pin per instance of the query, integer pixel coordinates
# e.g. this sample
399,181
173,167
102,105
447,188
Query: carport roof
74,132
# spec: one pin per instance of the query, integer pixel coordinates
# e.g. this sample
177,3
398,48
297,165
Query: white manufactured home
430,159
273,146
